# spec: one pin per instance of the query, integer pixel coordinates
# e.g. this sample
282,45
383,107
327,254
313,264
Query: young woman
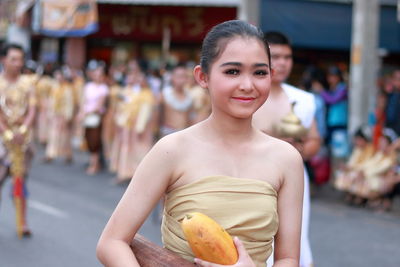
93,107
247,181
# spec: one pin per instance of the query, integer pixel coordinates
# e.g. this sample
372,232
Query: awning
316,24
226,3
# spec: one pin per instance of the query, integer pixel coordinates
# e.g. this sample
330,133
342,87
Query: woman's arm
290,204
148,184
334,97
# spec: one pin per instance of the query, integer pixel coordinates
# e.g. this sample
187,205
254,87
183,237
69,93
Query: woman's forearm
116,253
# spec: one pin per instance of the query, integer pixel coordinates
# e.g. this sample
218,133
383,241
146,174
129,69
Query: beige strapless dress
246,208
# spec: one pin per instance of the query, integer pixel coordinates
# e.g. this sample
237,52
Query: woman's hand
243,261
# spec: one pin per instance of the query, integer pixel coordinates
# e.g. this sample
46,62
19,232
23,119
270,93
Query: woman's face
179,78
240,79
359,142
98,75
332,79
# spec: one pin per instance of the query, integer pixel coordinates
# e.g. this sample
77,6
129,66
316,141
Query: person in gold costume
43,88
61,110
362,151
135,118
17,112
247,181
370,176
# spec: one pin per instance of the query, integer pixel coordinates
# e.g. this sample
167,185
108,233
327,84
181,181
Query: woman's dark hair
334,70
217,39
277,38
7,47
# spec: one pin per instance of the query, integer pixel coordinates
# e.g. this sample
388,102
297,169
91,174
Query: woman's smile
244,99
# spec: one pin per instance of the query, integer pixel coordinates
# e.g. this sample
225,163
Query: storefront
138,31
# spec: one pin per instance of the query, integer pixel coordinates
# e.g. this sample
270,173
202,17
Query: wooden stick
149,254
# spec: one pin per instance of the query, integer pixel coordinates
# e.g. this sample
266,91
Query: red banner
146,23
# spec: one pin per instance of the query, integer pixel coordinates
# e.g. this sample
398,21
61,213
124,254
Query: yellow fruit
208,240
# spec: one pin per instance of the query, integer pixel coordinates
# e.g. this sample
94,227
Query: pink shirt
92,94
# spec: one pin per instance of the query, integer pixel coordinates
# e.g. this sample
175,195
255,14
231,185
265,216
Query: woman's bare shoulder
175,142
281,149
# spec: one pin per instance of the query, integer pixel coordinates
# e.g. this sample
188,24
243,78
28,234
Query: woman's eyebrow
238,64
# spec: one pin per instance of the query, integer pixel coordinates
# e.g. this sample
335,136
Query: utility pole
364,61
249,10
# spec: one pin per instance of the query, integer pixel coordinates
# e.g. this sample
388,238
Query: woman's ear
200,76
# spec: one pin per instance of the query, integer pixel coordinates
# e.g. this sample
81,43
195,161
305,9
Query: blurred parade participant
155,82
134,117
17,113
109,128
362,151
91,113
335,98
43,89
78,82
280,102
370,182
61,111
201,101
176,103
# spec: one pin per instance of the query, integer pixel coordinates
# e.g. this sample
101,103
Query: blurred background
121,44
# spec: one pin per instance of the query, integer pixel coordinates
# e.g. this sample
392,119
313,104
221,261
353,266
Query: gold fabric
15,98
246,208
63,99
359,156
129,106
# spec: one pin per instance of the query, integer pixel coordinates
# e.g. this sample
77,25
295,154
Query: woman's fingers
206,263
240,248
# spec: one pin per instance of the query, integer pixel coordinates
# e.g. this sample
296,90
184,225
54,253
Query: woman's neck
231,130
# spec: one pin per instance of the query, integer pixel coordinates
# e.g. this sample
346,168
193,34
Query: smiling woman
222,167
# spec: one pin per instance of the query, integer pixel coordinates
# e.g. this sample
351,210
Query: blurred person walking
43,89
176,103
17,113
61,111
93,107
285,100
135,118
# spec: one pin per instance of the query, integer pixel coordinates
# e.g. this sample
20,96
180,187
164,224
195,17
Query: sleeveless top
246,208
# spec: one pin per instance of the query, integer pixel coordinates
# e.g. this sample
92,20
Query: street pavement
68,210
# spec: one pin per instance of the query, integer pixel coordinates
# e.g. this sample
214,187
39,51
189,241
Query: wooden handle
149,254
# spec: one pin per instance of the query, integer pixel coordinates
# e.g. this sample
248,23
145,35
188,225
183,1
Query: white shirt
305,104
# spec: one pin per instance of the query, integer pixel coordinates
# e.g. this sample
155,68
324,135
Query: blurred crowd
366,167
115,113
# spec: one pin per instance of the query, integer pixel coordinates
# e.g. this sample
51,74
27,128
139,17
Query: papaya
208,240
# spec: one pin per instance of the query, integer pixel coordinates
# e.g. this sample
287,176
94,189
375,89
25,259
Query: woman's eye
232,72
261,72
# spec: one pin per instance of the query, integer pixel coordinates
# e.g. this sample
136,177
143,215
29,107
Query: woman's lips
244,98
